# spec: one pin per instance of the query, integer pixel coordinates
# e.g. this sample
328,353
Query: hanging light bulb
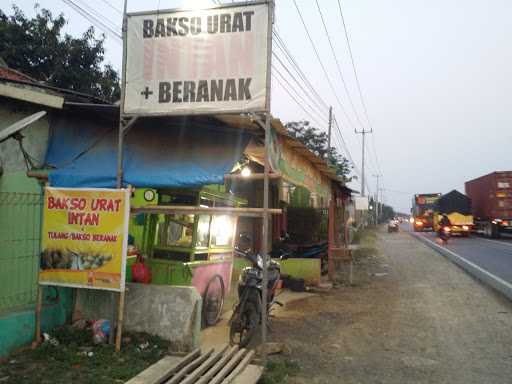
246,172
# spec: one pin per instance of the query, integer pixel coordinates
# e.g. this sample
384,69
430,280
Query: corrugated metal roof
11,74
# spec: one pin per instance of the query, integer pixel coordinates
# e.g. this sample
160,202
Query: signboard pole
119,184
121,122
266,186
39,305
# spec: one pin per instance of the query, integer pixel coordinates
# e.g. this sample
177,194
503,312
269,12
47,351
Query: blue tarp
157,153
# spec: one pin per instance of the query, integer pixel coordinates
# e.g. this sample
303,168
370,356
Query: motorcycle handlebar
238,252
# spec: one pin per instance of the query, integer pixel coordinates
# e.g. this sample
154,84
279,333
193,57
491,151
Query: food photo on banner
84,239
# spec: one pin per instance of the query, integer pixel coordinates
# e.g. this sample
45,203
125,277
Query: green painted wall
307,269
17,327
20,231
300,197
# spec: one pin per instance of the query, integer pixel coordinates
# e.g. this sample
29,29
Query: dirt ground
419,320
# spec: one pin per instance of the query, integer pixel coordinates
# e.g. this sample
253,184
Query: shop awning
158,153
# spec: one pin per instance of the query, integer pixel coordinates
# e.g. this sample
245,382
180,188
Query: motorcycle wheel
244,324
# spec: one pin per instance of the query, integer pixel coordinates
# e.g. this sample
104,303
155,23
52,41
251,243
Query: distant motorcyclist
444,228
445,221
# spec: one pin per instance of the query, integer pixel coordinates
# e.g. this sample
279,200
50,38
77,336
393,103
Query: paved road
495,256
411,317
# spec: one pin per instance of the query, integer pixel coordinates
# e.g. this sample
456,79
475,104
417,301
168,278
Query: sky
435,76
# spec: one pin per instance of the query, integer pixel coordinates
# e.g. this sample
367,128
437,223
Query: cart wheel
213,301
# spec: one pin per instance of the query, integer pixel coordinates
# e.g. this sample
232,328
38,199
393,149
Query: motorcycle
247,313
444,233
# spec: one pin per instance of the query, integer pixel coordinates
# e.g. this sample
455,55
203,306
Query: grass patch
277,372
77,360
367,241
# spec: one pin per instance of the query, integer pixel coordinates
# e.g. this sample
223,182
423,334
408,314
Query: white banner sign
361,203
199,61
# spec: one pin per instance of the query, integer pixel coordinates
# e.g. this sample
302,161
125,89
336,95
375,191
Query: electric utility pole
381,199
329,131
377,200
364,133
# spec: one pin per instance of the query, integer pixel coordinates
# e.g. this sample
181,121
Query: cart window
204,202
176,230
222,230
203,231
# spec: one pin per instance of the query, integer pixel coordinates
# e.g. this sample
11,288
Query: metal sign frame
127,120
185,9
122,284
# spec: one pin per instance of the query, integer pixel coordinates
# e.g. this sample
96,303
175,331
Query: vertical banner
196,61
84,239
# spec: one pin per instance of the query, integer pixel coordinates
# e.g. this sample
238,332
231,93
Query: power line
112,7
297,93
354,65
358,83
107,29
288,55
341,151
318,110
111,24
348,155
338,66
313,96
293,98
322,64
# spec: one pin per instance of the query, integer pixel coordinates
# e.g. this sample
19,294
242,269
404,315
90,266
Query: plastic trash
100,331
50,340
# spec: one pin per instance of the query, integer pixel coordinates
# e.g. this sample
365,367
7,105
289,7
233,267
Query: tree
387,212
316,142
37,48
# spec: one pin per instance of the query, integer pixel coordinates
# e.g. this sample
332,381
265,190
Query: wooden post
39,305
266,172
112,319
331,236
351,272
120,320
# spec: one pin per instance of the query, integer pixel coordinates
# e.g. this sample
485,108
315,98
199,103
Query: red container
491,196
140,271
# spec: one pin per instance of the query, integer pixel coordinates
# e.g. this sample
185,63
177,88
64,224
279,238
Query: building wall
20,232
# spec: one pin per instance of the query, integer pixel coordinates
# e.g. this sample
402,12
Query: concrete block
170,312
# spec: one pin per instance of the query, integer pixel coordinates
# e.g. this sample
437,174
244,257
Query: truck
457,207
491,197
422,211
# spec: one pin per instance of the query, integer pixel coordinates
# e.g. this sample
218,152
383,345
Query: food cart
185,247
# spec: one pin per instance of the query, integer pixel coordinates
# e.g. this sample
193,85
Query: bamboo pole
251,177
120,321
205,210
266,171
331,236
39,305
